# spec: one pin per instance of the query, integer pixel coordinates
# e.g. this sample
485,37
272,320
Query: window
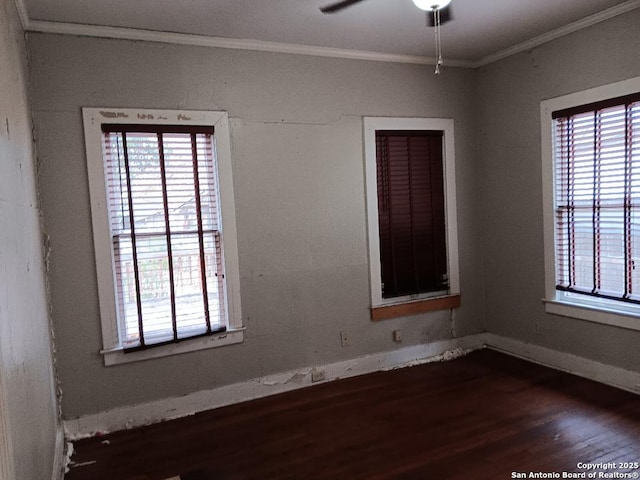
167,270
592,141
411,213
411,226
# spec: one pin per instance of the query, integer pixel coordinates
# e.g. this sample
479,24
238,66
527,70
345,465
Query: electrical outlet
317,376
344,339
397,335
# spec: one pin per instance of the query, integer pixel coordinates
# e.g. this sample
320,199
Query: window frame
93,119
557,302
446,125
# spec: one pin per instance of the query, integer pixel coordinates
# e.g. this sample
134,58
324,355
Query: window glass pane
596,192
153,265
181,194
190,306
146,183
169,265
411,211
612,252
206,177
126,290
214,273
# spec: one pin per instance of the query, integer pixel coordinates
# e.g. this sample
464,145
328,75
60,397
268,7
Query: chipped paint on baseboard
283,379
444,357
67,456
82,464
171,408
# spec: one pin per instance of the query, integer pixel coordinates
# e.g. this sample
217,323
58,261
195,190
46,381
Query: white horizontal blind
597,192
163,208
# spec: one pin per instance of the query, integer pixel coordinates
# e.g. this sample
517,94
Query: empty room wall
510,93
296,133
26,373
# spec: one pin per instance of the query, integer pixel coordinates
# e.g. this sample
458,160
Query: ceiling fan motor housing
431,4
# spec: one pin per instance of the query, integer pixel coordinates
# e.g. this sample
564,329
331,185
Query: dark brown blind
148,128
411,212
597,188
164,218
595,106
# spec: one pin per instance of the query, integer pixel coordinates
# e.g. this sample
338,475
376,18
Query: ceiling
481,31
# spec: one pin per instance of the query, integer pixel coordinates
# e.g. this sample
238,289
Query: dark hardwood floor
483,416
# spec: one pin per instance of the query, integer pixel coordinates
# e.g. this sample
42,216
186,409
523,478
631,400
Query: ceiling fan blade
336,7
446,15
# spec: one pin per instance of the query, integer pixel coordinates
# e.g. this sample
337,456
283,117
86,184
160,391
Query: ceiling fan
430,6
438,12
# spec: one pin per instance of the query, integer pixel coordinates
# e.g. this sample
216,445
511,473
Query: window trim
554,302
93,118
446,125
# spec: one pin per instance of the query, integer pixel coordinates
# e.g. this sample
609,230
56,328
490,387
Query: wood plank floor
483,416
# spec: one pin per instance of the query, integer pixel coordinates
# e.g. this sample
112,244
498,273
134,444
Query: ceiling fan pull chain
436,21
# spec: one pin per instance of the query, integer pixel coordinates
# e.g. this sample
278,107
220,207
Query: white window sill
598,315
117,356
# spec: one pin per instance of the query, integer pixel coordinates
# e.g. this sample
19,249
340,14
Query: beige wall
26,372
510,93
296,128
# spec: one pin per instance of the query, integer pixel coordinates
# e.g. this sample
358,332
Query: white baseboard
166,409
156,411
59,455
566,362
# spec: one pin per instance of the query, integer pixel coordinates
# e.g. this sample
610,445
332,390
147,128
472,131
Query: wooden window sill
414,308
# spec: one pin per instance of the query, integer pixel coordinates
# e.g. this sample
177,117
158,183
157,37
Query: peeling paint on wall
47,252
114,114
25,345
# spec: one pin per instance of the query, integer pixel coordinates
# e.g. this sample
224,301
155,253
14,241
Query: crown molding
233,43
560,32
21,7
